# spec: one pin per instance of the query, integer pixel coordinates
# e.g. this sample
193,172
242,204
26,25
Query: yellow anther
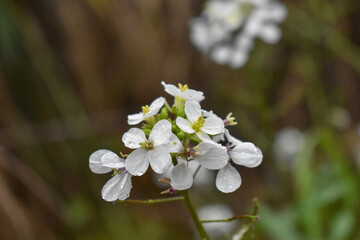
183,87
230,120
145,109
198,124
174,143
196,148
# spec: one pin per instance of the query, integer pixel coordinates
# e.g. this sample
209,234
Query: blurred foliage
71,71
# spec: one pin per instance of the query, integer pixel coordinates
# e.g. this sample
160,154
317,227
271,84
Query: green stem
194,216
152,201
254,218
168,107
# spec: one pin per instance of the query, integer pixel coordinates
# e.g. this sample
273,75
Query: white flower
210,155
241,153
226,29
154,151
198,124
147,112
183,92
119,186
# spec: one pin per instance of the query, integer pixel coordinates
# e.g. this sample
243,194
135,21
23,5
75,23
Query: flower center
117,170
183,87
191,153
145,109
198,124
147,145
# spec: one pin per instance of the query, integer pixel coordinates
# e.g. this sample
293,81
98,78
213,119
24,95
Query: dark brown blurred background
72,70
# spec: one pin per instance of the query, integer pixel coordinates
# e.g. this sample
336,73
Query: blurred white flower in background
288,141
226,29
214,212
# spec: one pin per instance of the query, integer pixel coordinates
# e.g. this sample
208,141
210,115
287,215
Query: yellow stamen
147,145
145,109
198,124
196,151
183,87
230,120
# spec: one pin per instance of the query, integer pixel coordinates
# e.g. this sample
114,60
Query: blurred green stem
153,201
194,215
252,217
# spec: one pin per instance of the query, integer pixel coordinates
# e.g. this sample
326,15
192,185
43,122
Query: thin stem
168,107
194,216
255,218
152,201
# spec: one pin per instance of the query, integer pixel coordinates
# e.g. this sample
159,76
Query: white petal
211,155
213,125
192,95
136,118
204,137
270,34
259,160
111,189
137,162
246,154
160,158
133,138
231,139
239,58
207,114
157,103
171,89
219,138
192,110
160,133
117,186
112,160
174,144
95,162
155,107
222,54
228,179
181,177
125,191
278,12
184,125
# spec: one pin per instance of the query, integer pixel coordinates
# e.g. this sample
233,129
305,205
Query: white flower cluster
170,138
226,29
